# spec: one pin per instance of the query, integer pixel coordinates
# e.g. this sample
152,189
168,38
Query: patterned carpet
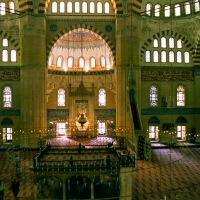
172,173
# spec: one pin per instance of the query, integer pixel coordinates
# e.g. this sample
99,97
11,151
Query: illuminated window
2,8
163,57
50,63
153,96
153,132
177,10
102,128
13,56
181,132
7,133
148,9
7,97
167,11
155,56
81,62
92,10
171,42
179,57
148,56
54,7
179,44
157,10
102,97
59,61
196,6
163,42
106,7
103,61
77,7
186,57
70,62
99,7
84,7
61,97
180,95
61,128
187,8
12,7
92,62
171,56
62,7
69,7
5,42
5,55
155,43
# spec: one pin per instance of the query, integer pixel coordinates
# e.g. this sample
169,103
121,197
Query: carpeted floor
172,173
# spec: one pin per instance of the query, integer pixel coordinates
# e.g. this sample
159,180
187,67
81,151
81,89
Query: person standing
15,187
2,187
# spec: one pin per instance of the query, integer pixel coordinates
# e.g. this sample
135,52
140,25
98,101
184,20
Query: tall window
171,42
179,57
101,128
59,61
196,6
5,42
92,7
2,8
186,57
177,10
81,62
106,8
148,9
77,7
153,132
50,62
187,8
171,56
180,95
61,97
179,44
163,42
7,132
62,7
181,132
102,97
70,62
7,97
99,7
92,62
5,55
103,61
54,8
167,11
61,128
147,56
69,7
12,7
84,7
155,56
163,56
155,43
153,96
157,10
13,56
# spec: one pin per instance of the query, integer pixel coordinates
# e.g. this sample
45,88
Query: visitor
2,187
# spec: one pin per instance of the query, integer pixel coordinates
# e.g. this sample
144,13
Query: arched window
106,8
92,10
50,62
13,55
153,96
2,8
180,95
102,97
59,61
61,97
179,44
187,8
7,97
84,7
62,7
155,56
70,61
171,56
92,62
12,7
157,10
103,61
179,57
155,43
147,56
81,62
171,42
196,6
69,7
54,8
99,7
148,9
163,42
101,127
177,10
163,57
5,42
186,57
167,11
5,55
181,128
77,7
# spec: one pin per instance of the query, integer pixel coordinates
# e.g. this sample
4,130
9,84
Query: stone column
64,190
33,79
92,189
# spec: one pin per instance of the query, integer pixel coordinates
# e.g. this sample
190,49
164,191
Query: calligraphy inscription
9,74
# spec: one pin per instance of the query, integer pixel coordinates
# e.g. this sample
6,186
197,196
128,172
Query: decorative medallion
108,28
53,27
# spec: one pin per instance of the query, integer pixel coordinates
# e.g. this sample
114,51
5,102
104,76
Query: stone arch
10,39
176,35
154,121
196,56
7,122
181,120
85,26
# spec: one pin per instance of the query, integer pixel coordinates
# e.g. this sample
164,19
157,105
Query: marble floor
172,173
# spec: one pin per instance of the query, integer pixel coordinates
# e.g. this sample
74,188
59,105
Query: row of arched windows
8,55
83,7
7,8
70,63
177,9
62,98
167,50
154,96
